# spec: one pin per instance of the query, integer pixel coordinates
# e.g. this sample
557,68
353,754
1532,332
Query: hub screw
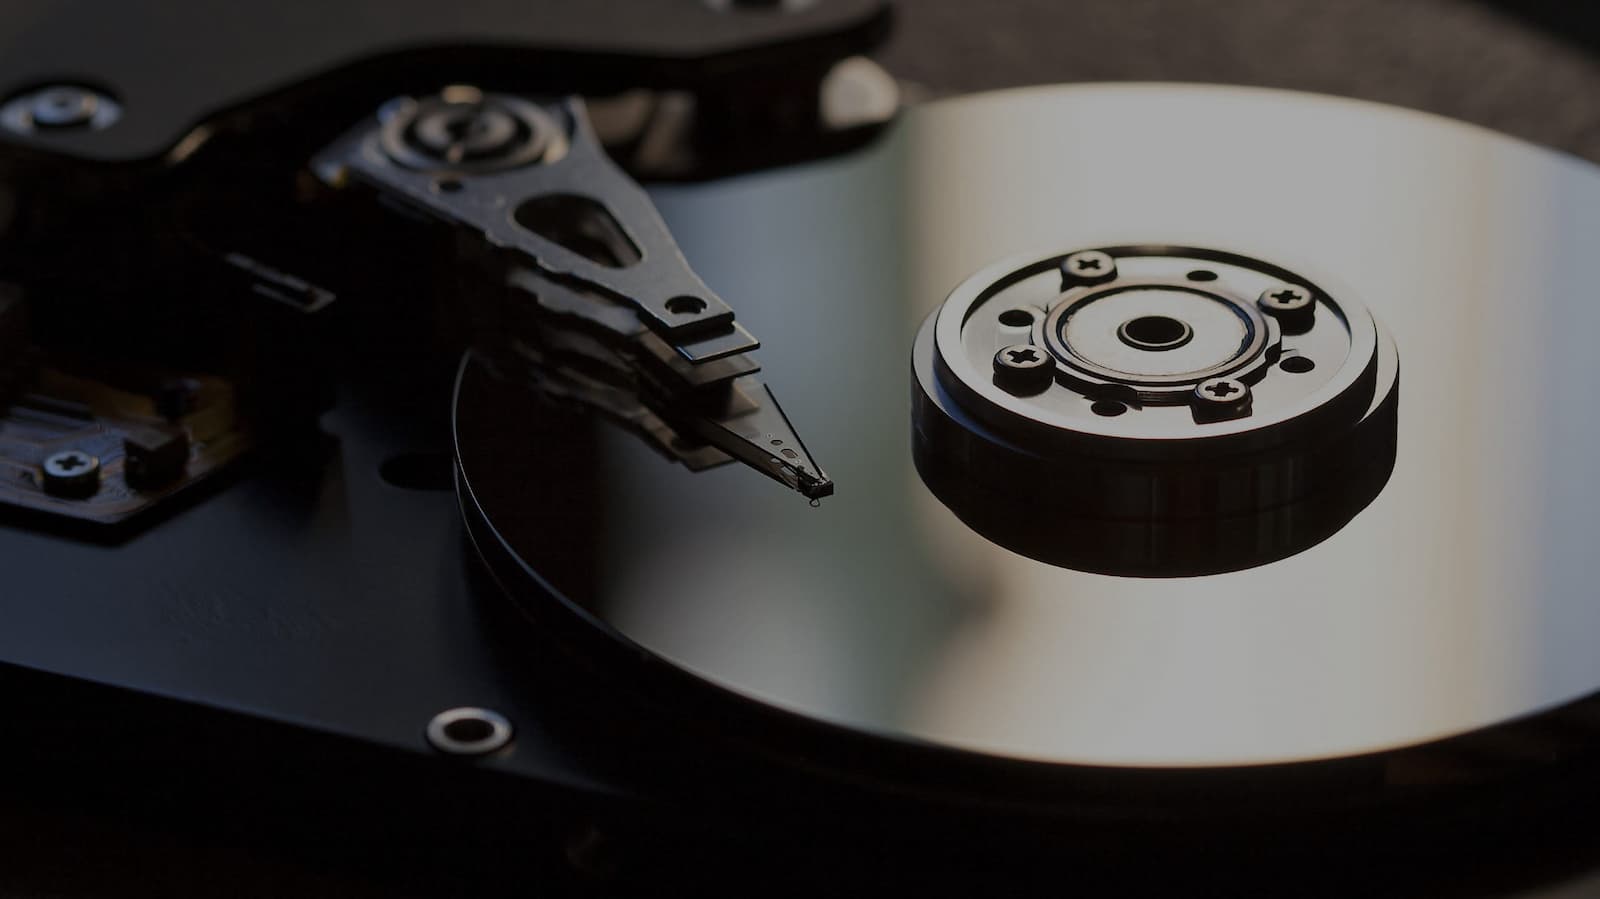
1087,267
1292,305
1220,399
1024,370
71,473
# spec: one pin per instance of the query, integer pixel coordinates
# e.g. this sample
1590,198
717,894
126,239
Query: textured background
1468,60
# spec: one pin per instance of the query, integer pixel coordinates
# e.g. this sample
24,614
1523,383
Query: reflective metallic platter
1462,596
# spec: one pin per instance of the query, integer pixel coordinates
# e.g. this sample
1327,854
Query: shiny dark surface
1426,616
1456,58
1458,599
148,55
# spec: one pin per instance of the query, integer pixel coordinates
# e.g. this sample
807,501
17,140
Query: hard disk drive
1174,486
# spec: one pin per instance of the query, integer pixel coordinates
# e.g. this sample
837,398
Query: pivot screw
461,133
1292,305
1087,267
469,731
59,107
1220,399
71,473
1024,370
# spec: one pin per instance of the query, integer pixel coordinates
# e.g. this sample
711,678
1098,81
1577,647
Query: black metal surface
948,49
281,595
173,65
653,277
332,556
570,247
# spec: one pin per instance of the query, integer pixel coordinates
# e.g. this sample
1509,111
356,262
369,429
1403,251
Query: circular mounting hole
468,731
1201,274
1108,408
1155,332
686,305
1016,318
1297,365
448,185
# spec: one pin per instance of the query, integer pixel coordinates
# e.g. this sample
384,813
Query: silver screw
1285,298
72,473
64,107
1292,305
59,107
469,731
1219,399
1023,369
1087,267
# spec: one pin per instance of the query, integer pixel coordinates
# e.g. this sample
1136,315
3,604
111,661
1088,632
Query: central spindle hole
1155,332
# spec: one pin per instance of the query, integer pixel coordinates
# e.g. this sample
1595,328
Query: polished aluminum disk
1460,596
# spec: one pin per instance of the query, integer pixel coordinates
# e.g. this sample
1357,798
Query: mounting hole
468,731
448,185
1155,332
1016,318
1297,365
1202,274
1108,408
686,305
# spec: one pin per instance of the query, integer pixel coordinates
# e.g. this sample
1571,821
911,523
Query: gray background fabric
1468,60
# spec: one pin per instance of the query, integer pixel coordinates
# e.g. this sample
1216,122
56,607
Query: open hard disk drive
643,446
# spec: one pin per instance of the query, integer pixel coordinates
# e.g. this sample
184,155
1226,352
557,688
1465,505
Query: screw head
460,133
1024,369
1292,305
1087,267
71,473
63,107
469,731
59,107
1219,399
